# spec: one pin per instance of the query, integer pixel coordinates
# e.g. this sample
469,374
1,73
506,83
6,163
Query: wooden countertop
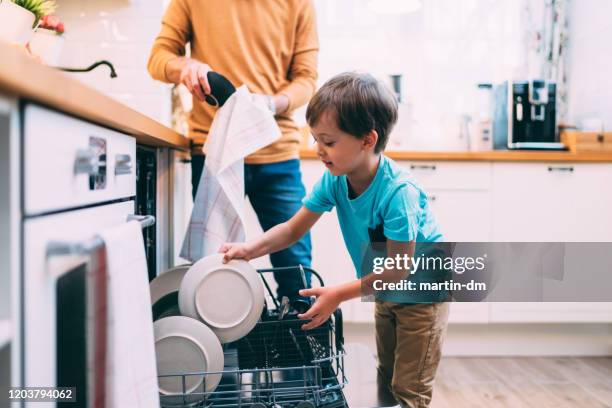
24,78
496,155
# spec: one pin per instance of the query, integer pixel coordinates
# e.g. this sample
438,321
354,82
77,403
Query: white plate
167,282
184,345
227,297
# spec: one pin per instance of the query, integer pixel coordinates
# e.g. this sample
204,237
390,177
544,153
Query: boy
351,117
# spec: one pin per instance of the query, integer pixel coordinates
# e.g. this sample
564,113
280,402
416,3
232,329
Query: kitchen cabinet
460,199
490,202
543,202
67,153
462,215
551,312
10,236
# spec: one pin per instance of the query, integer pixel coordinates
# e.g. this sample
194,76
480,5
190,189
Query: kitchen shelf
5,332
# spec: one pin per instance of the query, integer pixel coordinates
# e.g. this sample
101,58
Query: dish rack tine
268,288
303,276
297,345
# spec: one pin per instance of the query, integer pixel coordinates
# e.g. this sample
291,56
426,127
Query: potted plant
19,17
48,40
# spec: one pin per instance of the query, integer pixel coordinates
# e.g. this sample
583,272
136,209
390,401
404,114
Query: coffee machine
524,116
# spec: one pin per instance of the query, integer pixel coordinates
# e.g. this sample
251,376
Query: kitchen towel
99,314
131,372
240,127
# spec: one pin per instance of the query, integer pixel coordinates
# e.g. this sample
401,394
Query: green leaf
38,7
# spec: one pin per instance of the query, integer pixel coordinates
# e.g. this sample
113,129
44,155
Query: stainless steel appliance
78,180
525,116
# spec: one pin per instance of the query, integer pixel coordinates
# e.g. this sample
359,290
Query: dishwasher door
59,317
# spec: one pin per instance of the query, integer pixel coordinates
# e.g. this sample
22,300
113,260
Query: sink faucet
113,73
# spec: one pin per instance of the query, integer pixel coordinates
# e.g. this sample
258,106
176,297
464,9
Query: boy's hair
359,102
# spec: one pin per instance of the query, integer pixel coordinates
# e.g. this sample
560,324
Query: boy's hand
235,250
327,302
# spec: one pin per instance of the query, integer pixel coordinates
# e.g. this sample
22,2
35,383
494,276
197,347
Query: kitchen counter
496,155
23,78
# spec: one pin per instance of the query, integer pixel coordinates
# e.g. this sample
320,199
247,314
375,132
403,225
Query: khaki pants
409,343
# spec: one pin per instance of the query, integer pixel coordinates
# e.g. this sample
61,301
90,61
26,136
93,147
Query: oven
78,179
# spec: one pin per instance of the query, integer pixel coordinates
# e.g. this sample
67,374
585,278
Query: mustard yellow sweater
269,45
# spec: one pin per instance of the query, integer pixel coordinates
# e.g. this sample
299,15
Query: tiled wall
122,32
590,62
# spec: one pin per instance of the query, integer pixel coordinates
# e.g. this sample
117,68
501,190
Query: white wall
442,50
446,47
590,61
122,32
442,54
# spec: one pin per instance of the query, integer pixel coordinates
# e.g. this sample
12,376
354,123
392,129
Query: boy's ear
370,139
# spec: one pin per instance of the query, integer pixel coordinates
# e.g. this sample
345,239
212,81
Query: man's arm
303,69
176,32
167,61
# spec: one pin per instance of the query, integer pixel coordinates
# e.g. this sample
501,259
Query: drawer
71,163
450,175
553,202
463,215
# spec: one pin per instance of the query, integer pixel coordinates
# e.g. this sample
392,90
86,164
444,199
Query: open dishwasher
276,365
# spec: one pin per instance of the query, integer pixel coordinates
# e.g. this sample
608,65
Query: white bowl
227,297
185,345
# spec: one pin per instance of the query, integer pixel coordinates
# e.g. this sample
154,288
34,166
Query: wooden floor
524,382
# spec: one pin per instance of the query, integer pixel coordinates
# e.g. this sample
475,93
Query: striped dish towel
240,127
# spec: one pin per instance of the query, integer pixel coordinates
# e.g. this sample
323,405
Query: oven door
59,313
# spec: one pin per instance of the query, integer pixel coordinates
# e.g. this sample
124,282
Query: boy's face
341,152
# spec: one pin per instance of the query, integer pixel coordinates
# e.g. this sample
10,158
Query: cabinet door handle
569,169
123,164
432,198
431,167
87,162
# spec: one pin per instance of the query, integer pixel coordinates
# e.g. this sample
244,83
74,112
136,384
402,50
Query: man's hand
235,250
265,100
328,299
193,76
277,104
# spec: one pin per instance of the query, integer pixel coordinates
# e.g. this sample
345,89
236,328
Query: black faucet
93,66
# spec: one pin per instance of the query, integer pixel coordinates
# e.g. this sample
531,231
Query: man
272,47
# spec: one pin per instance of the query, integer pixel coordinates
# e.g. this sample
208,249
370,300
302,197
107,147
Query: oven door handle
60,248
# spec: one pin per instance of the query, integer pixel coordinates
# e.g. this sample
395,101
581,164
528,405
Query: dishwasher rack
277,365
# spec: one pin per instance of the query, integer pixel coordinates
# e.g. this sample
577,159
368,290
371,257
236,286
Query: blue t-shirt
393,205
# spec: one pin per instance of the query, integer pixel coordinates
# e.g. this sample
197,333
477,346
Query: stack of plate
165,290
184,345
196,308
